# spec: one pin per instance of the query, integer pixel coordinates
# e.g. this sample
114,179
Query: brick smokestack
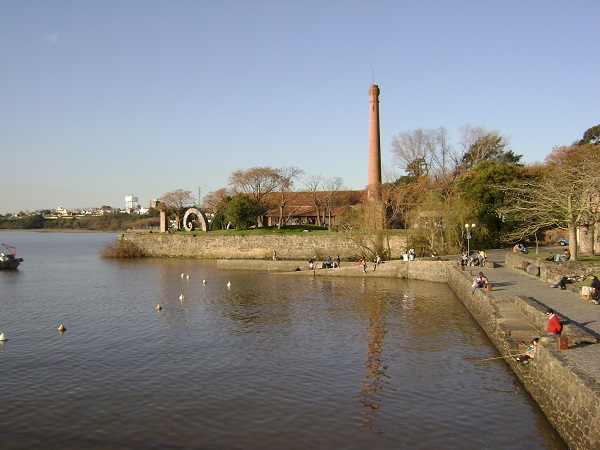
374,180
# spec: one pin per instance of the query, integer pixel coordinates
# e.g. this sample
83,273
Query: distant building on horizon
132,203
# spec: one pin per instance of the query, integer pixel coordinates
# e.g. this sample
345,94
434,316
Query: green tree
241,211
591,136
258,183
480,191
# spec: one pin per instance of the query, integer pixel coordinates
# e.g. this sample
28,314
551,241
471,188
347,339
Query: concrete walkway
508,282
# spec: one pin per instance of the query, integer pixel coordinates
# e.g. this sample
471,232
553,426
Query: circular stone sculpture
194,218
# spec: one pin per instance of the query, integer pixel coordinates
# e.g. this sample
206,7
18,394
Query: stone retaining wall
549,270
288,247
569,398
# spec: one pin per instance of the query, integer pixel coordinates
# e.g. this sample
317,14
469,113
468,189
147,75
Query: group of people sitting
520,248
593,291
478,258
553,328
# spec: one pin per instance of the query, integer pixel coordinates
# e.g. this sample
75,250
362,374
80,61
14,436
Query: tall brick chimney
374,180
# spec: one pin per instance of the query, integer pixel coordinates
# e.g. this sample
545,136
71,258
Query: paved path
508,282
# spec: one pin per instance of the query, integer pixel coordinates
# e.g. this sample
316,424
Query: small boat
9,260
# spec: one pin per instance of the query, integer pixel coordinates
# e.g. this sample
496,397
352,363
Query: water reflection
375,376
272,362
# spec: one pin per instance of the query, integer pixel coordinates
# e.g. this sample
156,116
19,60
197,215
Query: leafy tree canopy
591,136
242,211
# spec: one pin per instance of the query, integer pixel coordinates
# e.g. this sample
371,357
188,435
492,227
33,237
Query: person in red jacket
554,327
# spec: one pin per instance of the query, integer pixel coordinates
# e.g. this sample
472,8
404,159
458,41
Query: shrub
122,249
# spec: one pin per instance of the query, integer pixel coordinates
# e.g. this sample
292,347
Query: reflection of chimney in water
374,179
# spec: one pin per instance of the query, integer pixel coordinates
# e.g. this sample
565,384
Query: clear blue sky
102,99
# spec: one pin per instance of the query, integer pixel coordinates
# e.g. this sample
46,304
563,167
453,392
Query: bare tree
332,187
287,176
257,182
175,203
565,196
422,151
214,199
478,144
313,183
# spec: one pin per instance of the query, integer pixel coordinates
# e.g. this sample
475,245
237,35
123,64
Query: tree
591,136
480,145
422,151
175,203
480,189
287,176
313,183
332,188
241,211
213,205
565,195
257,182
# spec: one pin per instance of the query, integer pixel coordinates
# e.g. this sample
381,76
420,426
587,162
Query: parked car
562,241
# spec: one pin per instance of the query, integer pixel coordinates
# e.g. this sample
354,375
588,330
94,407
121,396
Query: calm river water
271,362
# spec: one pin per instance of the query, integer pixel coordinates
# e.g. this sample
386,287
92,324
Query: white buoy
187,276
2,337
61,328
181,297
203,281
182,274
158,307
229,284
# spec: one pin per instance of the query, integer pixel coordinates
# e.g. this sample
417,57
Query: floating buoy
181,297
62,328
2,337
158,307
229,284
182,274
203,281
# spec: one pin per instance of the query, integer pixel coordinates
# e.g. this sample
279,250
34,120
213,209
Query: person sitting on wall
562,283
479,282
554,327
482,257
530,353
595,289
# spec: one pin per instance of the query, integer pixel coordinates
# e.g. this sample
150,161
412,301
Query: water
271,362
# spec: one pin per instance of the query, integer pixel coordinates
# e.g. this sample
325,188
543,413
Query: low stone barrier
299,246
569,397
549,271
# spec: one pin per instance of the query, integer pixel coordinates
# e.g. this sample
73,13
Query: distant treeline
107,222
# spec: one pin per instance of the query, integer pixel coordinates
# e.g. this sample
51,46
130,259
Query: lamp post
469,228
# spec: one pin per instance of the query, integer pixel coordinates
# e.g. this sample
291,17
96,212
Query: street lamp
469,228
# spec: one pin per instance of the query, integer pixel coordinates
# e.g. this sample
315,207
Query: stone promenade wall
288,247
549,270
569,398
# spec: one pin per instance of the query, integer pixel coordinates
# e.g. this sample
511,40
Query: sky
104,99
